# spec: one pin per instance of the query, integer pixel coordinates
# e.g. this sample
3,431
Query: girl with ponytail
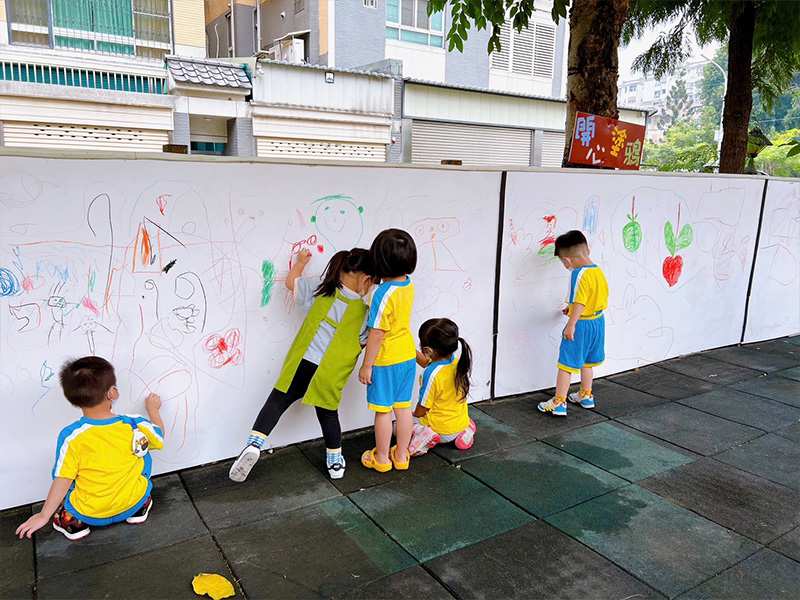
442,410
323,354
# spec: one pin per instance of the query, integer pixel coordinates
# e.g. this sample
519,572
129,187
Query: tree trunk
739,95
593,66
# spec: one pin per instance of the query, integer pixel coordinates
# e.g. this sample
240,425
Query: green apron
339,360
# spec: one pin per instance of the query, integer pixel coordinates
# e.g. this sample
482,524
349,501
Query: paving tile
660,382
793,340
746,409
667,547
322,550
773,387
619,451
491,435
525,419
279,482
690,428
766,574
705,367
173,519
755,358
535,561
747,504
772,457
789,544
541,479
16,556
155,573
791,433
615,400
412,584
438,511
779,346
357,477
793,373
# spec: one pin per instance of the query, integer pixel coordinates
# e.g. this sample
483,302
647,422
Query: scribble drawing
224,349
781,247
432,237
46,374
9,284
640,317
185,289
591,215
339,221
547,245
188,316
632,231
673,264
89,327
310,243
268,281
161,202
29,316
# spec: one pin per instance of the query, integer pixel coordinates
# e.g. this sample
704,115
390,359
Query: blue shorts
392,386
588,347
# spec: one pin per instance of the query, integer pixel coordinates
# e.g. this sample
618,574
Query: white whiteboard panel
85,252
648,320
775,298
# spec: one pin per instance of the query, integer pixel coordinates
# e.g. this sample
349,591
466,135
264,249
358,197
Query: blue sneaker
584,402
557,410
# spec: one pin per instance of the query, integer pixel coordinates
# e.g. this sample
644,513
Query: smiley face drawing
339,221
431,236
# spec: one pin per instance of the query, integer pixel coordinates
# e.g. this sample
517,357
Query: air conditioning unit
291,50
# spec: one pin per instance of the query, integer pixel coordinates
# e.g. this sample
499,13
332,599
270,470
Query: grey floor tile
755,358
16,556
619,451
791,433
519,564
772,457
615,400
789,544
793,373
766,574
668,547
745,503
773,387
490,435
709,369
166,572
412,584
541,479
689,428
328,549
438,511
279,482
659,382
746,409
172,519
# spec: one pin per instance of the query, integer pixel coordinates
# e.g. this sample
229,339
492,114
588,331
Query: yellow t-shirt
448,412
588,286
110,480
390,311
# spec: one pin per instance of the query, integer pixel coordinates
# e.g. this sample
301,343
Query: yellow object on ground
212,585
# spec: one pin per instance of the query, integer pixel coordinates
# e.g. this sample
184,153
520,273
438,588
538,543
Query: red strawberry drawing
673,264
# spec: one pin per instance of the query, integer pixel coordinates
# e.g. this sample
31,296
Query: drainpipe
232,4
258,25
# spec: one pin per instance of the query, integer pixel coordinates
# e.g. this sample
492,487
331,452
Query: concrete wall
359,31
273,27
471,67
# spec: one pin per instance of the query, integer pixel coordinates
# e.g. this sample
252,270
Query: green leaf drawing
548,250
685,237
632,234
669,238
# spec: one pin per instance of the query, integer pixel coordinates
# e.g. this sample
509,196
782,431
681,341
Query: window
528,52
209,148
370,3
128,27
408,20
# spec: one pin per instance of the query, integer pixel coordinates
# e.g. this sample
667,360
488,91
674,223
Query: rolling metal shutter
282,148
82,137
432,142
552,148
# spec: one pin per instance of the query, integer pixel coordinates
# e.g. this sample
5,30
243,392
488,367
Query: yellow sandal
400,466
368,460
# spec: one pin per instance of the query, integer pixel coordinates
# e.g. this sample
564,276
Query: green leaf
794,151
685,237
669,238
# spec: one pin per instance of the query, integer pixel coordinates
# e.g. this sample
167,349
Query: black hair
394,253
568,240
441,336
86,381
356,260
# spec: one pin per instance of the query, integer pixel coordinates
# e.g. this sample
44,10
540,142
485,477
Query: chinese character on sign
585,130
633,150
618,136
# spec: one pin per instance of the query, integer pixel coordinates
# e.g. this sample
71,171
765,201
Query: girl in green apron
322,356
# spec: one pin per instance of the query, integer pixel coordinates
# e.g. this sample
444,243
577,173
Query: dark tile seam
742,468
681,402
767,397
736,564
781,552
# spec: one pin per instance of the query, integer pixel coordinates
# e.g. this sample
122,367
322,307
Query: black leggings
278,402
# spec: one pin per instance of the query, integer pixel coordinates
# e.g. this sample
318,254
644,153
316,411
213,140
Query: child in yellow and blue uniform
442,409
102,466
390,356
583,343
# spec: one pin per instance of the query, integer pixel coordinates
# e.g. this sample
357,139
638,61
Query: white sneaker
422,439
336,470
242,466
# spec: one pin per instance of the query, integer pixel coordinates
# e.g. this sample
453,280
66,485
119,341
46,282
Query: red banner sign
602,142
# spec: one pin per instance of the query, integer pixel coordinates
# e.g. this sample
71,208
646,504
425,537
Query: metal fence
79,77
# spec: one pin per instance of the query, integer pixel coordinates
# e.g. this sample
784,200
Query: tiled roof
206,72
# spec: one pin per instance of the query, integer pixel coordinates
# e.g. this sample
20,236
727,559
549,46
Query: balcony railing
135,28
78,77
